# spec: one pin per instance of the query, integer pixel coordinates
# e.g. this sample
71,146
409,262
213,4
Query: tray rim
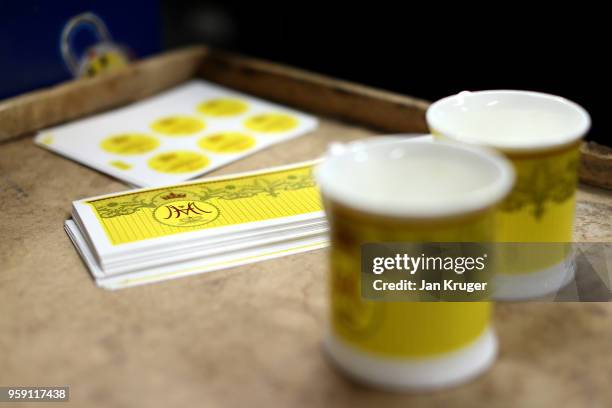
24,114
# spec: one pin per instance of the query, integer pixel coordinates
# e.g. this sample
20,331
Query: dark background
30,32
424,49
428,50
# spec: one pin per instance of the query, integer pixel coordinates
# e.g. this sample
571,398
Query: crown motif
173,195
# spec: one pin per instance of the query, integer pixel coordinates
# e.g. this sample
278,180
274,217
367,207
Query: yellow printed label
400,329
177,126
227,142
106,61
540,208
271,122
129,144
154,213
223,107
180,161
121,165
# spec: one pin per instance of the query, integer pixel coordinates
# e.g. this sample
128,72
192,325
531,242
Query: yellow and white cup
408,191
541,135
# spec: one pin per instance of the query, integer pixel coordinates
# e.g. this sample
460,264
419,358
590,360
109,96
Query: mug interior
414,179
509,120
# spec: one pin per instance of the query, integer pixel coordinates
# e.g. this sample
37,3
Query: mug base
534,284
414,374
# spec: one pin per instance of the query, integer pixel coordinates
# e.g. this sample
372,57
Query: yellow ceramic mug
408,191
541,135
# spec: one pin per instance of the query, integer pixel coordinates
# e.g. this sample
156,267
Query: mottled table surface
248,336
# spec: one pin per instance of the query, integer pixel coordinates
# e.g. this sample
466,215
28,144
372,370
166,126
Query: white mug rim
570,137
469,204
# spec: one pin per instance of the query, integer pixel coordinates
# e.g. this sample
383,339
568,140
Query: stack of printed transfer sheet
153,234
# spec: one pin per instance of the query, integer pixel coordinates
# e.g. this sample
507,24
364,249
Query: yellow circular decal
129,143
186,213
227,142
178,125
180,161
223,107
271,122
104,62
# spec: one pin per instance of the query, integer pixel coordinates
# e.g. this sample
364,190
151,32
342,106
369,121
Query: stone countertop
249,335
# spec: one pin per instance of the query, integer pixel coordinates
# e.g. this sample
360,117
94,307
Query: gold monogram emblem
186,213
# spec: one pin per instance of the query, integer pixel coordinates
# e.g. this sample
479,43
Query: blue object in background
30,34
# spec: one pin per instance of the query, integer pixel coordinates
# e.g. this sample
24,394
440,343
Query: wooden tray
249,335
